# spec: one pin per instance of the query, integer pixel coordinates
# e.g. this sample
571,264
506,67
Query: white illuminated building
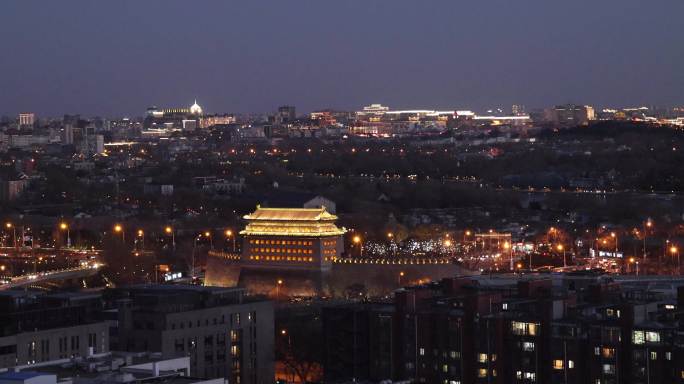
195,109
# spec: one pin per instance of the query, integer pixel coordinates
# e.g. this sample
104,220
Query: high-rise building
68,134
99,143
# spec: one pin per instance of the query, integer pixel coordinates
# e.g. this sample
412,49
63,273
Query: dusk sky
115,58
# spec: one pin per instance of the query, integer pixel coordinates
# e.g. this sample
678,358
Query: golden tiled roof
290,214
309,222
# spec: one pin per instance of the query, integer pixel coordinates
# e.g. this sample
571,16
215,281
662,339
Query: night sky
115,58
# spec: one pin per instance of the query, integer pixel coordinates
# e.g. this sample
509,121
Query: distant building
209,121
225,333
176,118
373,110
99,144
571,115
517,110
323,118
68,134
286,114
27,120
12,185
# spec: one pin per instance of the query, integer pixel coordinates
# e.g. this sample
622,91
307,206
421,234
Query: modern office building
225,333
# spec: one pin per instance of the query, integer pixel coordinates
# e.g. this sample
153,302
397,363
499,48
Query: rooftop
21,375
290,214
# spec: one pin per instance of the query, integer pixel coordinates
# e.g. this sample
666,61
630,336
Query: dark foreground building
36,327
471,330
225,333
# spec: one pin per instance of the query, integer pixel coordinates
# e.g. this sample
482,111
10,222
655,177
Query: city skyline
115,59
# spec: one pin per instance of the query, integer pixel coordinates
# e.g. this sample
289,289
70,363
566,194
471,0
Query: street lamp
207,234
141,235
9,226
65,227
229,234
401,274
561,248
118,228
390,235
614,235
169,231
279,282
647,226
507,247
357,240
675,251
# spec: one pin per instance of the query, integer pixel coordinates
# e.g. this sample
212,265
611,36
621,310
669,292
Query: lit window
482,357
504,306
653,337
482,372
571,364
422,351
654,355
597,351
445,368
668,355
558,364
520,328
638,337
608,369
608,352
528,346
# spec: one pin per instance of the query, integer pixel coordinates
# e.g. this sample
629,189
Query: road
61,274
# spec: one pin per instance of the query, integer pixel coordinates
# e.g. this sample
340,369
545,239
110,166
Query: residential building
530,330
37,327
225,333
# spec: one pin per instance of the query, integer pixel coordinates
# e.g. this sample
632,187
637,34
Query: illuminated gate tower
291,238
